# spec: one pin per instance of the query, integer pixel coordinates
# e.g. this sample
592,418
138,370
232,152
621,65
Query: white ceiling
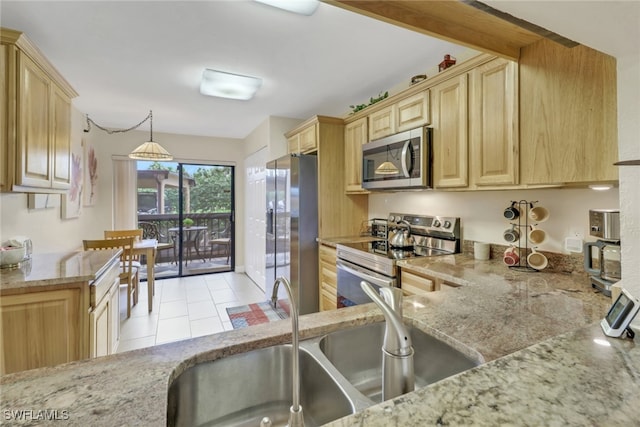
125,58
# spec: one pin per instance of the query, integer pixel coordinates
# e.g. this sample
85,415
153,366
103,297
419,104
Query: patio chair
128,273
223,239
150,230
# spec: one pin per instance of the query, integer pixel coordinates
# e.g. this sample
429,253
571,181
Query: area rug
257,313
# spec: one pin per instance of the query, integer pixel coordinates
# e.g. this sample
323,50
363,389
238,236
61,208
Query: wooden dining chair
128,274
136,234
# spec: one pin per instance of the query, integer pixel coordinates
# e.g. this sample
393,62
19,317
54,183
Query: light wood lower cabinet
328,278
42,329
105,323
60,323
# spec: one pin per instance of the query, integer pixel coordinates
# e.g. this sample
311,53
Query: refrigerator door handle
270,221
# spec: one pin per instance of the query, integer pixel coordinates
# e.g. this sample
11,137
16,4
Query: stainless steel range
375,262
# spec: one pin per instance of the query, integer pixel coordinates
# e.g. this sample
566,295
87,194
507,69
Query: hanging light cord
112,131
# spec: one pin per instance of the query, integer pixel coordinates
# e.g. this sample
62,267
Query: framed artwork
90,174
72,201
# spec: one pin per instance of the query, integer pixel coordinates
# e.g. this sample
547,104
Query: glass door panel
191,208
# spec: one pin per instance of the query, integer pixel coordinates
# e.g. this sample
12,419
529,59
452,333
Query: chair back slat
114,234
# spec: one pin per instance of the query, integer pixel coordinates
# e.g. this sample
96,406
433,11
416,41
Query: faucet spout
397,350
296,418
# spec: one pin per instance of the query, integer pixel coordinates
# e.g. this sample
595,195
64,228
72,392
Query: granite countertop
51,269
535,330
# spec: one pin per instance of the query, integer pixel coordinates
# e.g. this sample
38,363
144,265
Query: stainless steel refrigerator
292,228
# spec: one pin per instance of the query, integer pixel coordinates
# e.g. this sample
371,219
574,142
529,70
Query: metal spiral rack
523,207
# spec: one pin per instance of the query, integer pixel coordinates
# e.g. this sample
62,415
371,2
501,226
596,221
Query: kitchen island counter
535,330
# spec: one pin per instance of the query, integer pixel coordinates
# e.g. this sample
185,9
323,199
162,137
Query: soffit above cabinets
467,22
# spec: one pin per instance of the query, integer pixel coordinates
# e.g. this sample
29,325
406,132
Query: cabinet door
100,325
309,139
33,152
293,144
450,139
328,279
568,124
40,329
61,139
493,118
382,123
355,135
413,112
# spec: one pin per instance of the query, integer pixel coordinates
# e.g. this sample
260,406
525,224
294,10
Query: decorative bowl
11,256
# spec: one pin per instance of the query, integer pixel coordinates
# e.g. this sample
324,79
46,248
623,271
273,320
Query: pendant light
149,150
387,168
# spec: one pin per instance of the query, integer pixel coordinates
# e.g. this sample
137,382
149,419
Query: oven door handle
374,278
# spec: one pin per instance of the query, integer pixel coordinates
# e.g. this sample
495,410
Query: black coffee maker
602,257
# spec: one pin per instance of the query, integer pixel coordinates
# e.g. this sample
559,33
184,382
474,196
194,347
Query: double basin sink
340,374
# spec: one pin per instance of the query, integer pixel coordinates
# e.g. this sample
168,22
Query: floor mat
257,313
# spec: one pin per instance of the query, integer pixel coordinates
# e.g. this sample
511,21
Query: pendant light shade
150,151
387,168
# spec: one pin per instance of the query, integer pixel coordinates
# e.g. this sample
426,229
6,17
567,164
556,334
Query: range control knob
447,224
436,223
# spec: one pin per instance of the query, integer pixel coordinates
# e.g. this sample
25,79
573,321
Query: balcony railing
214,222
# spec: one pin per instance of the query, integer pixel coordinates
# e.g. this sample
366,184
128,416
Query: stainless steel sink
356,354
340,374
240,390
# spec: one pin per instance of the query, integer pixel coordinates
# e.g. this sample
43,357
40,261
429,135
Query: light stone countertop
53,269
534,375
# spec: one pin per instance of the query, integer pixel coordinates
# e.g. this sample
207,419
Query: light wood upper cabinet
493,123
568,125
405,114
413,112
450,141
305,141
355,135
339,214
382,122
36,132
61,118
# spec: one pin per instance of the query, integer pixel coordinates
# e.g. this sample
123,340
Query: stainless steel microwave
398,161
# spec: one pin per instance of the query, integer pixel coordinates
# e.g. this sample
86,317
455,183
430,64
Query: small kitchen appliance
602,257
375,261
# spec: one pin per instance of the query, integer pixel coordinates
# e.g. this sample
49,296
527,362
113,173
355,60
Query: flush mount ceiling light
228,85
301,7
147,151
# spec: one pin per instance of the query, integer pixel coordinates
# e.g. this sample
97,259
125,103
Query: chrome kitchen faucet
296,418
398,376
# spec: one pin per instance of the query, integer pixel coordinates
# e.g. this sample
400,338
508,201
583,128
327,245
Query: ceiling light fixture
228,85
301,7
147,151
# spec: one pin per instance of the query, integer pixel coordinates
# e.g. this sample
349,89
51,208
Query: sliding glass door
191,209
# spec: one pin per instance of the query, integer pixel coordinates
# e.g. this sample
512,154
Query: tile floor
183,308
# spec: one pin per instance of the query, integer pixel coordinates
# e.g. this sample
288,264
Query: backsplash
559,263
